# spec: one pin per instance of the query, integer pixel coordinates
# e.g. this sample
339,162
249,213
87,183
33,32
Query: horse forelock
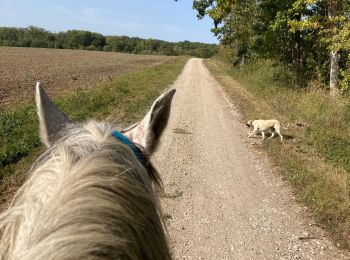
86,194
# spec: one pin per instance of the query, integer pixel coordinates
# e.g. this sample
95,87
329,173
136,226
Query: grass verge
123,100
316,156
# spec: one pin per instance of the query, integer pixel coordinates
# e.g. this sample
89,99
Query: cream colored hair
87,197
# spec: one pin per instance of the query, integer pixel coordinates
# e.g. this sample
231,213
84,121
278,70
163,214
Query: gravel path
223,198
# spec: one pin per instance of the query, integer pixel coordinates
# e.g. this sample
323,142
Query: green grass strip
316,161
122,100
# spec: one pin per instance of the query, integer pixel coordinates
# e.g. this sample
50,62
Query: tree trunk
333,8
334,73
296,50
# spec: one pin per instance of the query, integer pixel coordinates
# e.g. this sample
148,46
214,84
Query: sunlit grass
123,100
316,159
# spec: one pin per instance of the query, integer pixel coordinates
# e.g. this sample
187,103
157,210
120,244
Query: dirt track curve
223,199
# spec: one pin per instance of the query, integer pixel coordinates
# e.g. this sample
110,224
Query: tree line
312,37
86,40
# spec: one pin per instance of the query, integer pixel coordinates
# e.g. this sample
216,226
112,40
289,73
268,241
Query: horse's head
89,195
142,137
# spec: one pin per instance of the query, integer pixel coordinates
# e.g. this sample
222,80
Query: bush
345,78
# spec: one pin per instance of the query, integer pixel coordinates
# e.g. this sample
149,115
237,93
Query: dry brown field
62,70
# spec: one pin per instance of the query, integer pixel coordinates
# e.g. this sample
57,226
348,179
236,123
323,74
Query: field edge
120,101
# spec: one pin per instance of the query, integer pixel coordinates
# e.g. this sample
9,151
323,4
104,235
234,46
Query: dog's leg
250,135
263,134
279,133
272,135
253,132
284,126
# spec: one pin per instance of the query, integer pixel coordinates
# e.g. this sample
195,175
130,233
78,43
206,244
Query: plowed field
62,70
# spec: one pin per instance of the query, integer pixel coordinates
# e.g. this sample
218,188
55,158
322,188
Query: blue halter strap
133,147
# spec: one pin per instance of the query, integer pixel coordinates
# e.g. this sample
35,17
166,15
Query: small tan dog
260,125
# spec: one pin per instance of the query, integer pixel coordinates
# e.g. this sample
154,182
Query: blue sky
159,19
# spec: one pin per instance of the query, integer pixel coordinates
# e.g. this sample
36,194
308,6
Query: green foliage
345,73
75,39
298,33
26,37
85,40
151,46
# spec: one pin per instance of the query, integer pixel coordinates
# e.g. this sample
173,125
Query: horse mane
87,197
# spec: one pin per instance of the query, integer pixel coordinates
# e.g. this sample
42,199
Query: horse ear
148,131
52,121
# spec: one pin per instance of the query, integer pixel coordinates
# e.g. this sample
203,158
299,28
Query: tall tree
334,7
307,35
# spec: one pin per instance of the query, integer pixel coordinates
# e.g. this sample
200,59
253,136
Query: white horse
91,194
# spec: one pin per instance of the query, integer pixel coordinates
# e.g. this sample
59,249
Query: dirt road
223,198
